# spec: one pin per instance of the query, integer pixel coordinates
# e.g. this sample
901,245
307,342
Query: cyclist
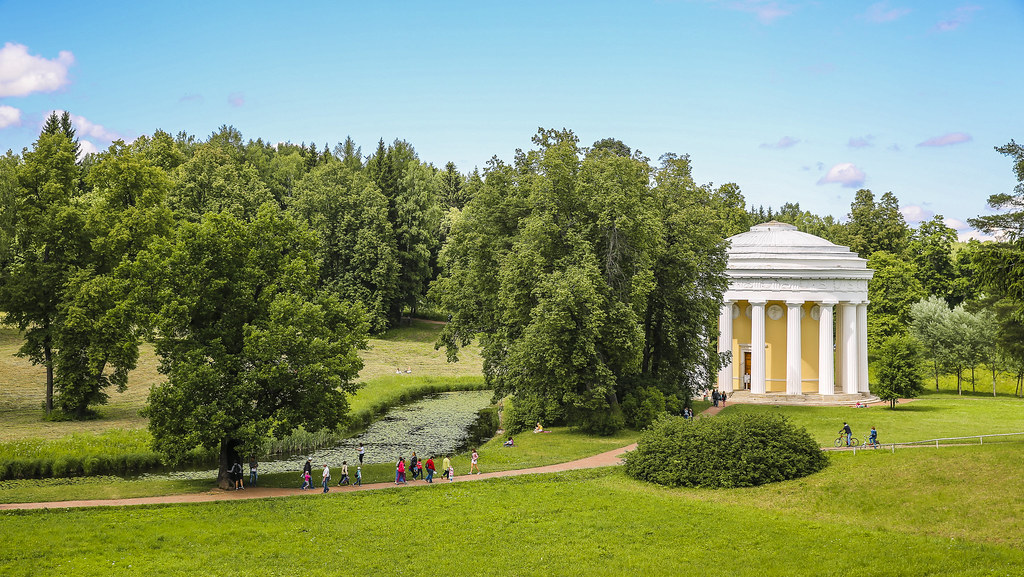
846,431
873,438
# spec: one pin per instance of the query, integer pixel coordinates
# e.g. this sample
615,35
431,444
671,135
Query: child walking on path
473,466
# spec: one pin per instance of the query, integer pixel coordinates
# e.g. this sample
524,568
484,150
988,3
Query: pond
435,425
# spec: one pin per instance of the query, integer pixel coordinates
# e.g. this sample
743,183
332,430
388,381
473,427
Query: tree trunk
973,390
959,380
936,375
48,362
228,457
993,381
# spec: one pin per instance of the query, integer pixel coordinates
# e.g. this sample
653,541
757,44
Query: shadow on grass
914,408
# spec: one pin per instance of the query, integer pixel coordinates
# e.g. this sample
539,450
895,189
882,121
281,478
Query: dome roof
778,249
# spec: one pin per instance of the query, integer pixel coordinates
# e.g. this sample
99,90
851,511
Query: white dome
776,259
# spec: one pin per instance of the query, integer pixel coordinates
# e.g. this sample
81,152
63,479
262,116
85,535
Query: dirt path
606,459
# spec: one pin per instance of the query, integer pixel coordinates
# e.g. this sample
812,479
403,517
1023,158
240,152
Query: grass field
586,522
559,446
22,384
933,415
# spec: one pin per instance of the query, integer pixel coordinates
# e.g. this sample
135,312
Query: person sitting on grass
510,443
538,428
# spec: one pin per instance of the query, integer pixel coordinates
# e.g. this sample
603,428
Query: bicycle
841,441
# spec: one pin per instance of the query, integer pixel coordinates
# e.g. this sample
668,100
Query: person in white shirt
327,478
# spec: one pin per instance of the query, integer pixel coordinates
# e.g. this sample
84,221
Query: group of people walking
417,468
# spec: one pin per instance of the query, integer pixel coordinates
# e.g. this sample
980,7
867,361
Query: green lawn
585,522
22,384
931,416
531,450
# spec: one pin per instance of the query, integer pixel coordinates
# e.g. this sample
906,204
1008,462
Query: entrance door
746,370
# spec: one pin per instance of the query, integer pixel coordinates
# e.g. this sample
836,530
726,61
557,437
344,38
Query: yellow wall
740,334
775,354
809,351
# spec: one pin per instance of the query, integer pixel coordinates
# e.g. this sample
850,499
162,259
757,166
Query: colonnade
851,355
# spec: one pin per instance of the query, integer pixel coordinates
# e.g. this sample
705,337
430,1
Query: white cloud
236,99
860,141
947,139
85,147
784,142
955,223
22,74
973,234
914,213
844,173
880,13
960,16
9,116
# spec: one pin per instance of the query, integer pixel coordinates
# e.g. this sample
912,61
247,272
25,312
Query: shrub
724,451
643,406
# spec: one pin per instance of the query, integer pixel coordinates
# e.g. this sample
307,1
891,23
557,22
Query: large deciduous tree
584,281
897,369
251,349
97,340
357,246
892,290
46,241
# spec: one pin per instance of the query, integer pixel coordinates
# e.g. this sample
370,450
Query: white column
862,347
725,346
849,348
826,357
794,370
757,346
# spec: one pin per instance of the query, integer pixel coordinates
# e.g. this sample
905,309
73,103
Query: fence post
894,448
982,439
936,443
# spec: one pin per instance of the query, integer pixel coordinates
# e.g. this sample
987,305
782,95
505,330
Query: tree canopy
582,279
250,347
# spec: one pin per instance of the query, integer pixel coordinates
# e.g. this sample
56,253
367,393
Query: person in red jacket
430,469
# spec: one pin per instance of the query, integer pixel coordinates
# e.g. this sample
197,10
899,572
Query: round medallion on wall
816,312
775,312
735,310
746,310
803,312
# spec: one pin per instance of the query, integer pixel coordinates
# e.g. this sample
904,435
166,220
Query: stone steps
808,399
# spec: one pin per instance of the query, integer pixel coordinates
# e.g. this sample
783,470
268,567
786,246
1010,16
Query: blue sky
800,101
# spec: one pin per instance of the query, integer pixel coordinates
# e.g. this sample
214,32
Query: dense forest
588,275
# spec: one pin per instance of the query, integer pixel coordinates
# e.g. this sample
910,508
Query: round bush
725,451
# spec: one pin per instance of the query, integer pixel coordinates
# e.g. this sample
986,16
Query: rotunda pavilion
794,316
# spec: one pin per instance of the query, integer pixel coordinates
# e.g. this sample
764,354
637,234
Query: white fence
937,442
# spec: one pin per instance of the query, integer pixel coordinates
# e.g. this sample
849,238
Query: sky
795,101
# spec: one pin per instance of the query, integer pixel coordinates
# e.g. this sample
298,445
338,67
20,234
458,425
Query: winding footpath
606,459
